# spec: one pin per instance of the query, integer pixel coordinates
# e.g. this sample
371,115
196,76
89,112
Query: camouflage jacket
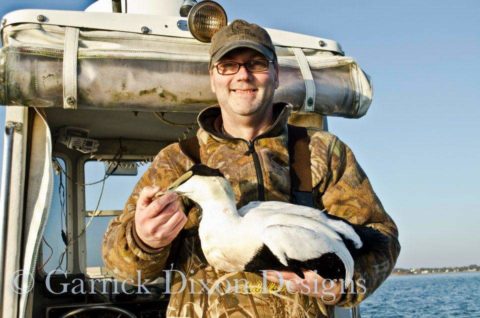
261,166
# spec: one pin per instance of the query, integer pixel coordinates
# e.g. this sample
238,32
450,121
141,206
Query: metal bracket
310,89
16,126
70,68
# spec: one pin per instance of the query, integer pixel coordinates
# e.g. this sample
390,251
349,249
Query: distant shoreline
432,270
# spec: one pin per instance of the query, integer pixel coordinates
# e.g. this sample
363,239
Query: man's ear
212,87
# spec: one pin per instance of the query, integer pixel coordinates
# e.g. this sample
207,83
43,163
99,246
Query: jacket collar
210,120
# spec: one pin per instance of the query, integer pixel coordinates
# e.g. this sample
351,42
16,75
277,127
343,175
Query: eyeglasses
253,66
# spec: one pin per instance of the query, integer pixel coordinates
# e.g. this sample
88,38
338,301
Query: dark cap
240,33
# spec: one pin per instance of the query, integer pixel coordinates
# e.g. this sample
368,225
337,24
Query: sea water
433,295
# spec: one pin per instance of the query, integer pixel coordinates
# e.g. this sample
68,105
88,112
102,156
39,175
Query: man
246,138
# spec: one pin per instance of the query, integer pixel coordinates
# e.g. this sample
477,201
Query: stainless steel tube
4,198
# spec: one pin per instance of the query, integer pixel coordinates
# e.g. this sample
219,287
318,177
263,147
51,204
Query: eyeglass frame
245,65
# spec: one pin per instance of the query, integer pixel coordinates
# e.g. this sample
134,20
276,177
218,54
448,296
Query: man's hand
314,285
158,220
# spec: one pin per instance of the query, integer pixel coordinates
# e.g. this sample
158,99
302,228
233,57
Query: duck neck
222,203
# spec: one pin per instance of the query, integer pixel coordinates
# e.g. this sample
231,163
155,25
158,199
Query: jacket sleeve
124,254
346,192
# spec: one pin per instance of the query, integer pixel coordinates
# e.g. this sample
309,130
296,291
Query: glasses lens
257,65
228,68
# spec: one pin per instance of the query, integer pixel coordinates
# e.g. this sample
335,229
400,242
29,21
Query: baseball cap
238,34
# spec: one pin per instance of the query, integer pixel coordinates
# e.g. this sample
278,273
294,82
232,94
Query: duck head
203,184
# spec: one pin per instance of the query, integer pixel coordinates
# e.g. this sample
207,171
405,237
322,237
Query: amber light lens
206,18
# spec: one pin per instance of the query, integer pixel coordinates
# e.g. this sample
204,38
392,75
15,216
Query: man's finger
168,212
161,205
283,274
146,196
179,226
173,226
173,222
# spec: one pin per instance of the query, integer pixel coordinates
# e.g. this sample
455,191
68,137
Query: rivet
145,30
41,18
310,101
322,43
71,100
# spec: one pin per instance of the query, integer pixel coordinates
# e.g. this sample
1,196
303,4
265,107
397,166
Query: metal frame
133,23
76,254
10,128
151,24
14,227
79,246
100,213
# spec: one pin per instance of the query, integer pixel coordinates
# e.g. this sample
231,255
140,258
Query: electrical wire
96,212
69,242
161,117
62,197
117,156
60,260
80,183
49,256
63,212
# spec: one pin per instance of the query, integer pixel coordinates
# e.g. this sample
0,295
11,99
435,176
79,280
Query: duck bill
175,184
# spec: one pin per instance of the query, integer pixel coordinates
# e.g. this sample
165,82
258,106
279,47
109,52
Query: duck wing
269,208
300,248
297,243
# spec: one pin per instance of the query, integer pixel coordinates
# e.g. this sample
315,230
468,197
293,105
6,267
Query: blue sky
419,142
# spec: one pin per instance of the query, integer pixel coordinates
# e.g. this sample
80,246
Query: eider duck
267,235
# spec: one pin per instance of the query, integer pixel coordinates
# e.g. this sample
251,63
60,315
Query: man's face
244,93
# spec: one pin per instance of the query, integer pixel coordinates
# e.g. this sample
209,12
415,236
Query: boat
91,97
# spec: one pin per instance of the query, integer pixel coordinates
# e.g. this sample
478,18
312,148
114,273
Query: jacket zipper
258,170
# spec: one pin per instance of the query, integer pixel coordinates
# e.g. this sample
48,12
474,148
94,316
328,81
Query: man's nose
243,73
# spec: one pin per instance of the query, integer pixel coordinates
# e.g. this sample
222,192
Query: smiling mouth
244,91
